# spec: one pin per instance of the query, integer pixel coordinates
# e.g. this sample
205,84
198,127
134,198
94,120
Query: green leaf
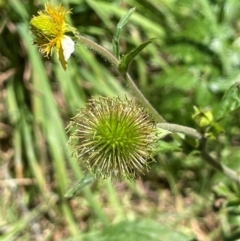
80,184
116,35
230,101
127,59
222,190
163,147
138,230
161,133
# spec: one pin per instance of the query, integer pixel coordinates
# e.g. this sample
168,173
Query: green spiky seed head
113,138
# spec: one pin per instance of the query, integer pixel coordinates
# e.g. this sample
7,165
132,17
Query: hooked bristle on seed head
113,138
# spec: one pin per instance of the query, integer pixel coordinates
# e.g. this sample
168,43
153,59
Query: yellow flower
49,29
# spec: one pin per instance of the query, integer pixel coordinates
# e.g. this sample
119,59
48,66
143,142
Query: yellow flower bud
49,29
202,117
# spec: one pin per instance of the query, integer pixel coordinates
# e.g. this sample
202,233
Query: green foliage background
194,61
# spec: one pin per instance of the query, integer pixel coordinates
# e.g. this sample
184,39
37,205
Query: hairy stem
110,57
181,129
144,101
99,49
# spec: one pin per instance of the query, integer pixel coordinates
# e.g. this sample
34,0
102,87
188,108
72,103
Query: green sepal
214,130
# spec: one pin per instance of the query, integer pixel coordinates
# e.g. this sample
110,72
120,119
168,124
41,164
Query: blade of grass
115,42
52,125
95,206
141,21
112,196
54,131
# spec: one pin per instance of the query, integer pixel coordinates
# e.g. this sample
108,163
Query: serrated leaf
116,35
230,101
128,58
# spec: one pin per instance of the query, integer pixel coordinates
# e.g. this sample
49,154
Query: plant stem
219,166
158,118
110,57
99,49
181,129
144,101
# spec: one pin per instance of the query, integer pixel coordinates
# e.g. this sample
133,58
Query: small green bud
202,117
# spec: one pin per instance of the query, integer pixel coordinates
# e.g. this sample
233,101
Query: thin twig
221,167
231,174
